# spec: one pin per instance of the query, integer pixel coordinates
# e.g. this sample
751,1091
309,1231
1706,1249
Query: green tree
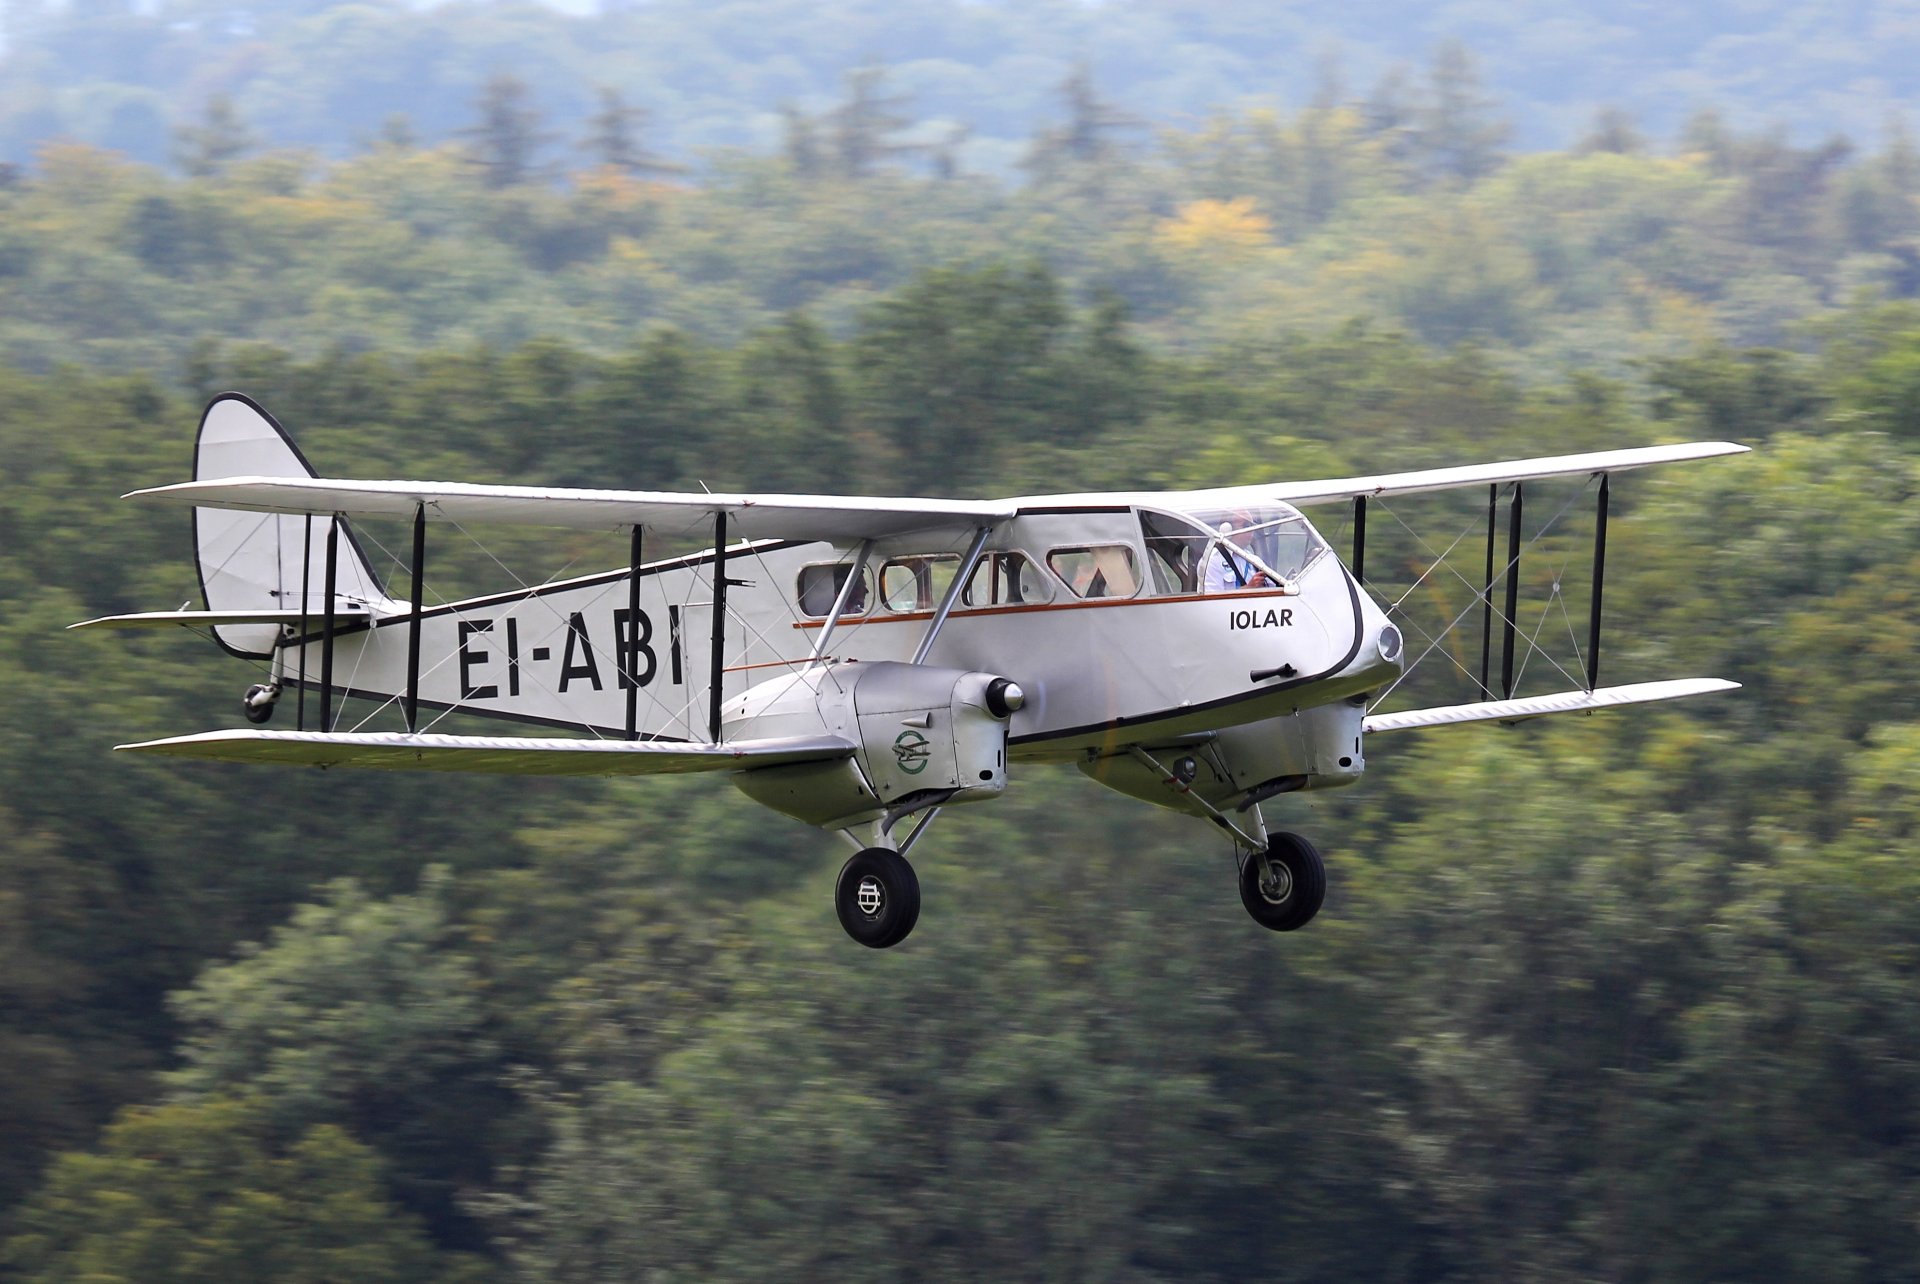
505,143
206,149
1614,131
367,1015
1460,129
863,131
200,1192
793,408
957,367
1088,140
616,138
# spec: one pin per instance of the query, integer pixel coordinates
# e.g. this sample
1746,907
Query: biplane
861,663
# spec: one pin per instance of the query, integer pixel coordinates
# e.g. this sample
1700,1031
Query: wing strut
965,573
844,596
326,628
1513,592
1486,592
719,624
630,653
1514,510
1599,577
1359,538
413,627
306,596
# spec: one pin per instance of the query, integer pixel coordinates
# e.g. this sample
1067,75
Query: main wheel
258,703
1292,896
878,897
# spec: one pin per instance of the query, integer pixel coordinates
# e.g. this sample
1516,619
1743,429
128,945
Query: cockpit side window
1175,548
820,586
1272,543
1096,570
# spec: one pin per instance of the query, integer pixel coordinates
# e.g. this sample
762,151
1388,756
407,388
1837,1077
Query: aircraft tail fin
253,561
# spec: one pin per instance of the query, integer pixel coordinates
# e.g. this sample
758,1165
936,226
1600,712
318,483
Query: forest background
1630,997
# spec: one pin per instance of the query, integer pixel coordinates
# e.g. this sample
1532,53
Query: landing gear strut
878,897
1284,890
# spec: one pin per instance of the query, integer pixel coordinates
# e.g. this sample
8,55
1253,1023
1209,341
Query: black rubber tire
1306,889
887,875
260,714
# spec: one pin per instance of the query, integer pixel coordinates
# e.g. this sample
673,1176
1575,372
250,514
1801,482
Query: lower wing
501,755
1540,706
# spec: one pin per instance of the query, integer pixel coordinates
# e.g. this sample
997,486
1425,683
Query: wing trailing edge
1541,706
351,613
501,755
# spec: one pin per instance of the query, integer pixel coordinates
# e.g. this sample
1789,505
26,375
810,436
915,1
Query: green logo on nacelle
910,747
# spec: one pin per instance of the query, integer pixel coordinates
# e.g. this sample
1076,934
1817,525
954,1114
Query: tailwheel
878,897
1288,893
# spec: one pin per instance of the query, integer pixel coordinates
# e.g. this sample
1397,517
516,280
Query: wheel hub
1277,886
869,896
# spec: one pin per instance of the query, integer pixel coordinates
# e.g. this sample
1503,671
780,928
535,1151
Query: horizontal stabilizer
501,755
1540,706
207,619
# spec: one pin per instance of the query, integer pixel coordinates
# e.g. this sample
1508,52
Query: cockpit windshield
1220,550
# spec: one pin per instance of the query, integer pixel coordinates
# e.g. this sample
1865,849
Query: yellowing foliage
1207,226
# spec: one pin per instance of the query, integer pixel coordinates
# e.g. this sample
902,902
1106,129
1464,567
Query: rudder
265,561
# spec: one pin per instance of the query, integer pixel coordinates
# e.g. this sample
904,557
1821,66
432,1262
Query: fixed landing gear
1287,892
257,704
878,897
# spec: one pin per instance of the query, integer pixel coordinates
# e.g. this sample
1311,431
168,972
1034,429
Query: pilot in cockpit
1226,570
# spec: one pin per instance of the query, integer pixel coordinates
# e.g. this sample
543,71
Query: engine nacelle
923,734
1317,748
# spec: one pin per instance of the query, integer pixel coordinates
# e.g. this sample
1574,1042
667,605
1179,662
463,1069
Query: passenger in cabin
1227,571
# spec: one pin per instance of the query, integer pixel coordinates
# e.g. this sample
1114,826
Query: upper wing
1539,706
348,613
502,755
1599,461
823,517
1334,489
838,518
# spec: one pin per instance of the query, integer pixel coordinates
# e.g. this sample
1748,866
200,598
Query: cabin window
1175,547
917,583
820,586
1008,579
1096,570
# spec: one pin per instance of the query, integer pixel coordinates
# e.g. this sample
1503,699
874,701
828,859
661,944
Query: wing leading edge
500,755
1540,706
841,518
826,517
1334,489
347,613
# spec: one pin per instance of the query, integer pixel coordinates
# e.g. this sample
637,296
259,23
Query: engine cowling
923,734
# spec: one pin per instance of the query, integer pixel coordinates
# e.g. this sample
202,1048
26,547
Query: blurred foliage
1624,998
1022,82
1241,222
